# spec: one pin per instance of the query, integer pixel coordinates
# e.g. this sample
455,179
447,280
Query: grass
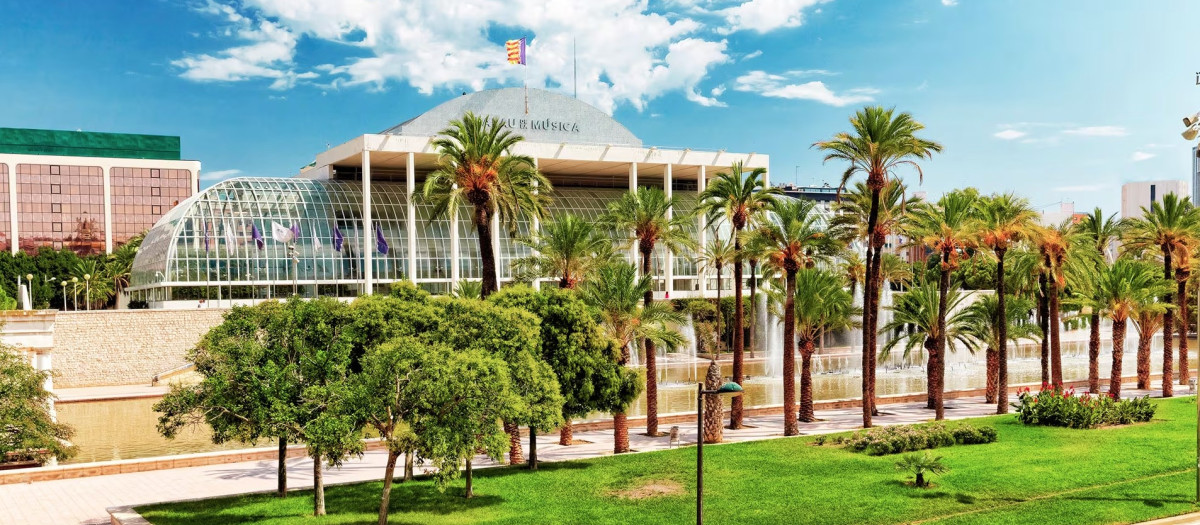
1031,475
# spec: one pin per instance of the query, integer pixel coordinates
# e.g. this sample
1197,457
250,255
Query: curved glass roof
213,238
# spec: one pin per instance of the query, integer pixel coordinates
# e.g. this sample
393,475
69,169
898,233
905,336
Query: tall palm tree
755,250
921,309
881,142
737,196
821,305
942,228
615,292
982,316
1169,227
476,168
1003,220
567,248
1123,289
1100,232
792,240
645,218
718,254
1057,245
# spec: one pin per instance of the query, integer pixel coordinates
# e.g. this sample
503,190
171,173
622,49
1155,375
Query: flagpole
574,68
525,64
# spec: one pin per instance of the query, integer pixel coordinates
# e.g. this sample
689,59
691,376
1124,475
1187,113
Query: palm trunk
1169,327
993,362
1118,349
533,448
1055,345
1143,359
651,355
318,487
739,343
1000,397
1044,324
565,433
1182,302
470,492
931,367
753,306
281,472
806,386
620,433
868,337
487,254
1094,354
388,473
877,286
943,291
790,427
713,407
515,455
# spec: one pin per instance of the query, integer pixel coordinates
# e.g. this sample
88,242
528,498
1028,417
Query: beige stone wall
125,347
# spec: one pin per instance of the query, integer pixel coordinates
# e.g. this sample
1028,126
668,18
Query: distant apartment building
87,191
1052,216
1138,195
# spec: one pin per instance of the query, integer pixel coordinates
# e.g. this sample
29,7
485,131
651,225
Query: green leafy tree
1101,232
567,248
737,196
27,430
880,143
476,168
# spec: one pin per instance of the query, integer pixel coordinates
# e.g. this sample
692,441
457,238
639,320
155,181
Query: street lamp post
1191,129
64,292
75,294
731,389
87,291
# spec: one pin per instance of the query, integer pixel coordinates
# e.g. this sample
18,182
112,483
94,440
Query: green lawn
1031,475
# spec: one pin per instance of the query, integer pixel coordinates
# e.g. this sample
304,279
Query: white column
108,224
669,257
411,184
701,230
368,236
195,174
14,242
495,247
455,270
535,228
633,184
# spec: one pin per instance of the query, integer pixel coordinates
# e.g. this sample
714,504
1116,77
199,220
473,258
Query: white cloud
949,2
1009,134
765,16
1097,131
626,53
1139,156
218,175
753,54
778,86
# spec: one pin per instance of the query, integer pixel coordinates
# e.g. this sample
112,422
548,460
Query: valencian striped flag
516,51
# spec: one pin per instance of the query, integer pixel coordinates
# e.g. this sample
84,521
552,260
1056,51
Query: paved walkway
84,500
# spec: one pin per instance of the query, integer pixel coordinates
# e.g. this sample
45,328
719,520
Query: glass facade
221,240
60,206
5,223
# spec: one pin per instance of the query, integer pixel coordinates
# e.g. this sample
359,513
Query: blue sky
1054,100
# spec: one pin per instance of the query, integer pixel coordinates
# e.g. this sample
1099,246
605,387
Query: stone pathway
84,500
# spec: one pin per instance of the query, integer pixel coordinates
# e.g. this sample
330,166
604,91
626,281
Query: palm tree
821,305
645,218
755,250
467,289
852,268
476,167
792,239
737,197
567,248
1123,289
615,292
1004,219
1057,246
718,254
921,308
1101,232
982,317
942,229
881,142
1148,318
1169,227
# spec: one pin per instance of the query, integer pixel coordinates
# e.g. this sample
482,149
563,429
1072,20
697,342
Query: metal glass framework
220,242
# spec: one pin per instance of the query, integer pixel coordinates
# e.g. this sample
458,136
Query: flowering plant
1060,407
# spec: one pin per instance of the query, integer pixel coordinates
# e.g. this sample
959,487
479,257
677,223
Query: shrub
881,441
921,464
1062,408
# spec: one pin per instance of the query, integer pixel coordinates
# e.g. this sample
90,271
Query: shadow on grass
1149,502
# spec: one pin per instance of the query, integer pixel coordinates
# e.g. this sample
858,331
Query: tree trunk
739,344
943,292
651,355
790,427
281,471
920,482
877,286
868,337
1118,349
620,433
993,361
1044,324
931,368
515,455
565,436
470,492
318,487
487,254
1169,326
1056,375
806,387
1094,354
408,464
753,306
1182,302
1001,391
388,473
713,407
532,448
1143,360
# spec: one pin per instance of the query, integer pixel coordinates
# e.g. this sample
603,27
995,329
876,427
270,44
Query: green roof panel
88,144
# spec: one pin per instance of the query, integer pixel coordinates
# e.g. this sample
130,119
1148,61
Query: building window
155,191
156,209
55,208
58,245
56,226
55,170
55,189
154,173
1152,188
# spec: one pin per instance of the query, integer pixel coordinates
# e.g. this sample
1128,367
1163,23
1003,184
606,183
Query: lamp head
1192,120
730,388
29,277
87,276
74,279
1190,133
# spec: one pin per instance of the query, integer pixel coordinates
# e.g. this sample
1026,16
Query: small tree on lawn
920,465
27,431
